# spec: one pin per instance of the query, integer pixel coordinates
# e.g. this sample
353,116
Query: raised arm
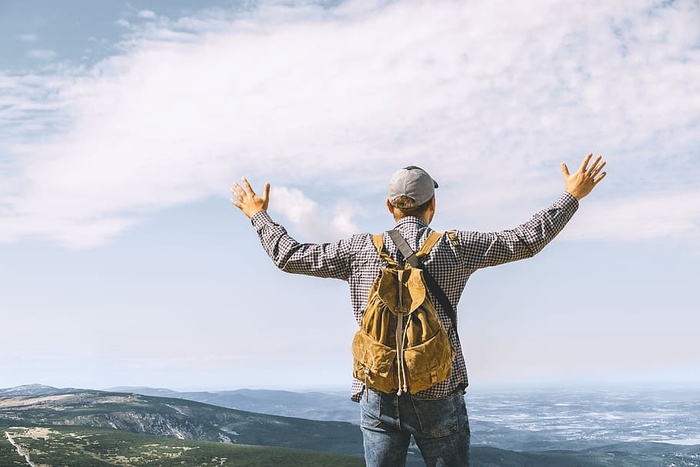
493,248
330,260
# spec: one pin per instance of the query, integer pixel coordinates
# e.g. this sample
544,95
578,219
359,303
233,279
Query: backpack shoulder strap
414,260
378,240
428,244
411,257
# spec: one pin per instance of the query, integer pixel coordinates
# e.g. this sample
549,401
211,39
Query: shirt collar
411,220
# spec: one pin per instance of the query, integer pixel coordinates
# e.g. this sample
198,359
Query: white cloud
295,206
309,219
651,216
489,96
146,14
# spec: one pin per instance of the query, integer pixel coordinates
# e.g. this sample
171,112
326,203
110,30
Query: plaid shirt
451,262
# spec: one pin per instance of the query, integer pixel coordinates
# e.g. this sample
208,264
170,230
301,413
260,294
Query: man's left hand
247,201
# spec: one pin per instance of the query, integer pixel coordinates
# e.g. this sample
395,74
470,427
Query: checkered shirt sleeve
454,258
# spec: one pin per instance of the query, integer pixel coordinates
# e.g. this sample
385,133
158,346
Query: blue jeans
440,428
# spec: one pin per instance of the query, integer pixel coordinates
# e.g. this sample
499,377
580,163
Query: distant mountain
35,390
177,418
309,405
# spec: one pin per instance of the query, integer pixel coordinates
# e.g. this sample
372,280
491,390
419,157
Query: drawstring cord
403,377
400,357
401,338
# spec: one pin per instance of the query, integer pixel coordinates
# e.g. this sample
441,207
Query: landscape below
45,426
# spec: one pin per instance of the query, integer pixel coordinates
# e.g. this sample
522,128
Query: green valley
92,447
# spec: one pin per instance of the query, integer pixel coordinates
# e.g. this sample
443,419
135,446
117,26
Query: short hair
407,206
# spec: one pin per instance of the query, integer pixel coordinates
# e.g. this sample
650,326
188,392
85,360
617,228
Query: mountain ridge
176,418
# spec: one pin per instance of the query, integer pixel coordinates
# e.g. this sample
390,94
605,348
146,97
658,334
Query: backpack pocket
429,362
374,363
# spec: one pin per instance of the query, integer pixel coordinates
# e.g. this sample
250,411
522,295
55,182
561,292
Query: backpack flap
401,290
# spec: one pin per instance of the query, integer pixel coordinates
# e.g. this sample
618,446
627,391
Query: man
437,416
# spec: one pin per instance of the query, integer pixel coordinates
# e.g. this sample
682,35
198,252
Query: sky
123,126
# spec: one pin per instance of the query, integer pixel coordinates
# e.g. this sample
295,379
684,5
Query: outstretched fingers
249,188
245,199
584,164
239,193
594,172
598,177
586,177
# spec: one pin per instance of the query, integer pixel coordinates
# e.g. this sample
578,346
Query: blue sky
124,124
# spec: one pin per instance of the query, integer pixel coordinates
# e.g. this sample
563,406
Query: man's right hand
582,182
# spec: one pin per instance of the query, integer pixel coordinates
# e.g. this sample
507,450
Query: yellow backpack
402,345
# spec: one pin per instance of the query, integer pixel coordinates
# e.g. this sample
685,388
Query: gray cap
413,182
